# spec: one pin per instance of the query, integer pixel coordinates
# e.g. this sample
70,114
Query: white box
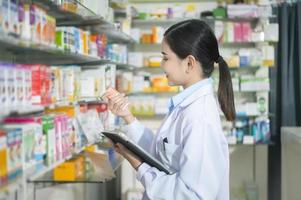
135,59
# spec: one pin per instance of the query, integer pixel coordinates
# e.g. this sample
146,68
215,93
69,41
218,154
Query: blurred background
58,56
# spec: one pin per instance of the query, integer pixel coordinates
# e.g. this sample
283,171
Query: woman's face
173,66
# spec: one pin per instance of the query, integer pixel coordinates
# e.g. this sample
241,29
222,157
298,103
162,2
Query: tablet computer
137,150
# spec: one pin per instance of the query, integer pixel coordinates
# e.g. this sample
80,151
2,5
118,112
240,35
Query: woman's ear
191,62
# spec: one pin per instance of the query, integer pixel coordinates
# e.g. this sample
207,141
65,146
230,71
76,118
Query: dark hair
194,37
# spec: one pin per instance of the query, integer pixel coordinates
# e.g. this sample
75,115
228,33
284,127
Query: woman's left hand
134,160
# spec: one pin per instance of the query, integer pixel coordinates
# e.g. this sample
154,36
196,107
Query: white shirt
197,151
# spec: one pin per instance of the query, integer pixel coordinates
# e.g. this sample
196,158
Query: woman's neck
192,81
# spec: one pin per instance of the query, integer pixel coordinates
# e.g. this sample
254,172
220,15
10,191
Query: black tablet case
137,150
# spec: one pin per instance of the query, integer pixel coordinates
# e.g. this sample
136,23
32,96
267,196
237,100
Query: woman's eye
165,59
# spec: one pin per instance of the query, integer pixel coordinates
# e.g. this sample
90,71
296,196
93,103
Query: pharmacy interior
58,57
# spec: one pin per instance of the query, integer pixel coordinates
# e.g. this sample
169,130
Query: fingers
118,103
110,93
119,148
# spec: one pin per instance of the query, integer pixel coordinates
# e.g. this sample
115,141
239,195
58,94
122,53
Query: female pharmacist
190,141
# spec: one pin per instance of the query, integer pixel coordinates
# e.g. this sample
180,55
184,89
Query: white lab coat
197,152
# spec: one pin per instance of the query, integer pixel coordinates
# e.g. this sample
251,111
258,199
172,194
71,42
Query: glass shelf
20,51
102,171
169,22
160,70
86,19
99,62
237,44
22,110
170,1
251,145
39,109
156,22
251,44
83,16
113,34
151,93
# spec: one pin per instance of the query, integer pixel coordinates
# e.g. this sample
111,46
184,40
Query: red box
38,84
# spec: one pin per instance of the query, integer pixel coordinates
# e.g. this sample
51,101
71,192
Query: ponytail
225,90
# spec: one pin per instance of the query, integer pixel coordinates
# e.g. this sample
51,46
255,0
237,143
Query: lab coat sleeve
203,168
141,135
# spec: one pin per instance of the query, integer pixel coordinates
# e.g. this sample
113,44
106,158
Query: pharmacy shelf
246,116
169,22
25,52
157,70
126,67
139,47
152,93
251,145
170,1
39,109
33,109
113,34
102,171
154,46
21,111
48,178
19,51
250,91
250,44
46,169
99,62
155,22
26,110
83,17
86,19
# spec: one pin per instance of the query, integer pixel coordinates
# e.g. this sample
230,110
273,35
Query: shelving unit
15,50
166,1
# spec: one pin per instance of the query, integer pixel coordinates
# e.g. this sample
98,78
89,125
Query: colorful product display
127,83
25,85
154,36
13,152
27,22
247,131
32,25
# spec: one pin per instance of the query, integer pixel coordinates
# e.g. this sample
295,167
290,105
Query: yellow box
68,110
70,170
3,158
90,148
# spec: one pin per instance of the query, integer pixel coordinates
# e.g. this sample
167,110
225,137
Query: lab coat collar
208,89
205,90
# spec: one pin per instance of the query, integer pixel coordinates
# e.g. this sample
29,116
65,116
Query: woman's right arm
119,105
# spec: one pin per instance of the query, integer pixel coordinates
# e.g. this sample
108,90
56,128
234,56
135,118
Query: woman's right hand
119,105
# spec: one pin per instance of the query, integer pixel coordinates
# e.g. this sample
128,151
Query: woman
190,141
